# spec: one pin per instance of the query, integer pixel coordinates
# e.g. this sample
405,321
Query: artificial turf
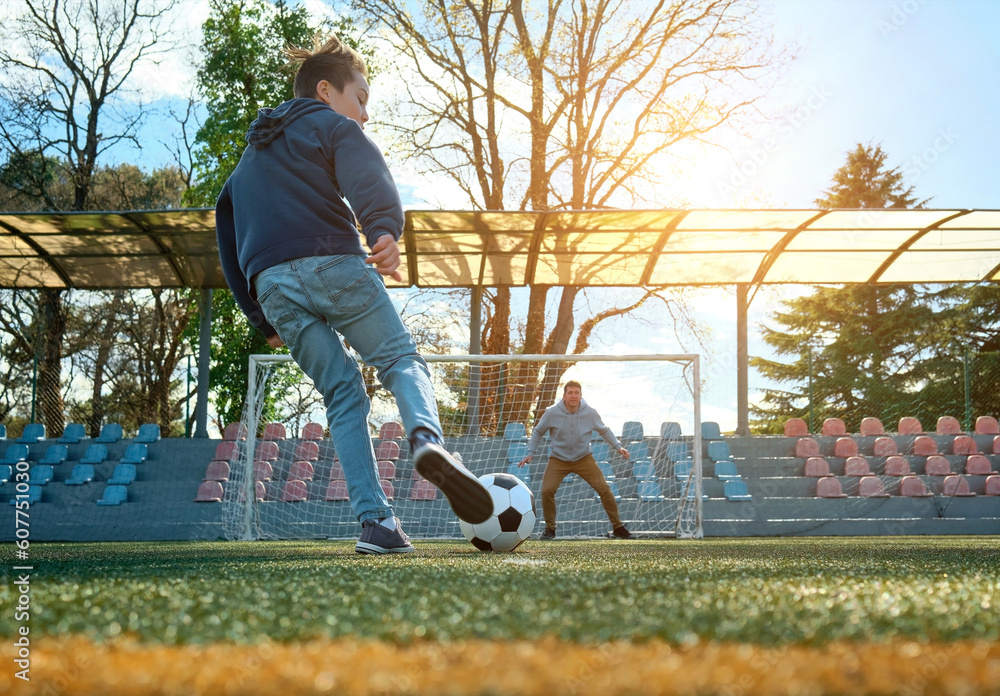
764,592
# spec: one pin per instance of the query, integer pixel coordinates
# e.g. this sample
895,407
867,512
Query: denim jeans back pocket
349,283
280,314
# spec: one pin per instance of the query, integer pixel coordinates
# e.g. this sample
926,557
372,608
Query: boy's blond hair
332,60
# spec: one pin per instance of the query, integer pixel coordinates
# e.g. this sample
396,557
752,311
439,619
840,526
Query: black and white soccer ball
513,516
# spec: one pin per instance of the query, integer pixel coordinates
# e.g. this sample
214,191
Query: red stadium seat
260,492
978,465
336,490
234,432
948,425
871,426
908,425
336,471
301,470
209,492
386,470
295,491
897,466
987,425
391,430
924,446
834,427
226,451
817,467
390,490
217,471
806,447
937,466
993,485
829,487
857,466
387,451
884,447
957,486
423,490
996,445
274,431
306,451
796,427
964,445
845,447
871,487
913,487
262,470
312,431
267,451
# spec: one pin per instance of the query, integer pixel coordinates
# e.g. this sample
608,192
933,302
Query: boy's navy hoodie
285,199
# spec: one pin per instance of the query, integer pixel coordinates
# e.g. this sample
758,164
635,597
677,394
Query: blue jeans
311,300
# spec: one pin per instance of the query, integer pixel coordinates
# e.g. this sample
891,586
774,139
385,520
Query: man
569,423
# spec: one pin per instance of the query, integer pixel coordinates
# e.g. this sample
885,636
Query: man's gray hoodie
570,433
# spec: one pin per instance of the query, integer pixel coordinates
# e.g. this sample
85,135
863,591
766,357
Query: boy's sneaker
377,538
622,533
467,496
549,533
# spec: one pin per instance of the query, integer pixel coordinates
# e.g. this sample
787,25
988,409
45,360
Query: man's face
352,102
572,397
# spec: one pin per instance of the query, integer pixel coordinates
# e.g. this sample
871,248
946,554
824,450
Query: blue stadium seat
613,485
33,432
3,431
726,470
515,432
650,490
521,473
682,469
601,451
736,490
95,454
55,454
5,473
114,495
148,433
110,434
605,467
632,431
637,450
692,493
15,454
81,474
34,496
123,475
677,451
134,454
669,430
719,451
643,469
40,474
516,451
72,434
710,431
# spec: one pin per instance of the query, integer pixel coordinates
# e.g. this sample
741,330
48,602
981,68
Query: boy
292,255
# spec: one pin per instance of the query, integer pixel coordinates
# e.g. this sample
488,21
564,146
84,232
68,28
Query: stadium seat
274,431
134,454
15,454
391,430
148,434
81,474
336,490
816,467
267,451
710,431
521,473
670,430
884,447
632,432
110,434
209,492
996,445
386,469
337,471
913,487
515,432
948,425
719,451
307,450
388,488
871,426
924,446
606,470
217,470
987,425
3,431
650,490
978,465
937,466
601,451
726,471
33,432
613,487
423,490
312,431
834,427
54,454
516,451
72,434
114,495
234,432
40,474
636,450
5,473
124,474
857,466
643,470
226,451
294,491
964,445
34,496
387,450
682,469
845,447
262,470
993,485
796,427
908,425
301,470
871,487
677,451
736,490
829,487
95,454
897,466
956,485
806,447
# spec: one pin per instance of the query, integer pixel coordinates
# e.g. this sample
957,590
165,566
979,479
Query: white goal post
288,485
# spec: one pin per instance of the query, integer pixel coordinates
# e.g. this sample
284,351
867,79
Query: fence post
967,425
809,360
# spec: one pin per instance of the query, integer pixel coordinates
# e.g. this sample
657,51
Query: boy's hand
275,341
385,256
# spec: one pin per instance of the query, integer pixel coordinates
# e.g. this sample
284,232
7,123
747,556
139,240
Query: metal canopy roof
177,248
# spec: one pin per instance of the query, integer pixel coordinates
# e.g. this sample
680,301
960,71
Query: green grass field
762,594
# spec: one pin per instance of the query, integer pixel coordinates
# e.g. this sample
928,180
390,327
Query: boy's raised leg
467,496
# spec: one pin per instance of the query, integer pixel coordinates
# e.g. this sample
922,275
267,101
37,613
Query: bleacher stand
110,434
33,432
834,427
72,434
148,434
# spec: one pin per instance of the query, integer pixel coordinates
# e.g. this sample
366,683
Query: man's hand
623,452
525,461
275,341
385,256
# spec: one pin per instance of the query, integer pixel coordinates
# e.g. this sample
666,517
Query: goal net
287,483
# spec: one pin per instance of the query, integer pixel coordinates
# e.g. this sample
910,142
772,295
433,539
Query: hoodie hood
270,123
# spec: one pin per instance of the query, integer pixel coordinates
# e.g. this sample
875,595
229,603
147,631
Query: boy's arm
225,232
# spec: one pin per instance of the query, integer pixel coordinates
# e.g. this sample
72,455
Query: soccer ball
513,515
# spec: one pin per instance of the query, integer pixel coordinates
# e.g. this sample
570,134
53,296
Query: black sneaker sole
466,494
